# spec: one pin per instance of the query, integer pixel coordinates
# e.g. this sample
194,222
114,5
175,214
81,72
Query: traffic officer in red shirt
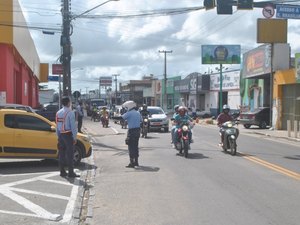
66,131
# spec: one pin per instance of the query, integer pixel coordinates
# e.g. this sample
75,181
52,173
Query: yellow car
29,135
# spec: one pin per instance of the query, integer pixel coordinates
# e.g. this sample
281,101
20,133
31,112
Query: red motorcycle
183,141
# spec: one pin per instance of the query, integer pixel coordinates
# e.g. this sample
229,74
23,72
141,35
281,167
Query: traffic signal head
224,7
245,4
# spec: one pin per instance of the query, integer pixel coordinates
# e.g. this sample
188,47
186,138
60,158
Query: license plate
156,123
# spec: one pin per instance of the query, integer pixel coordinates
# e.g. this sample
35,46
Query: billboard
271,31
105,81
257,61
57,69
230,81
221,54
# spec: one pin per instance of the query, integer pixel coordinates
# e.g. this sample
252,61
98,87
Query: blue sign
53,78
288,11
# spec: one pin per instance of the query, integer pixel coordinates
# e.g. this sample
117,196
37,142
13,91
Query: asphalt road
258,186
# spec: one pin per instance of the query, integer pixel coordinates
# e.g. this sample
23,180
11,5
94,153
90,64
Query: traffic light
209,4
245,4
224,7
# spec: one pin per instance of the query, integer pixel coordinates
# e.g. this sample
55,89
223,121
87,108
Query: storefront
259,64
230,91
203,97
286,99
20,68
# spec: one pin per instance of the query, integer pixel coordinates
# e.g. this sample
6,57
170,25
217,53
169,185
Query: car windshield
155,111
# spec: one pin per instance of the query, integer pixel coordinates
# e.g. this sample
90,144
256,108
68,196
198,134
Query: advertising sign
231,80
57,69
221,54
105,81
257,61
297,67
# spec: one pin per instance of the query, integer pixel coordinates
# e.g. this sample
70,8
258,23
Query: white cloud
130,47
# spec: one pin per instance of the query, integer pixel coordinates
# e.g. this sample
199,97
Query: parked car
259,117
29,135
200,114
158,119
49,111
17,106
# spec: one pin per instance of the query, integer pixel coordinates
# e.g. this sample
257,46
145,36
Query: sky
104,44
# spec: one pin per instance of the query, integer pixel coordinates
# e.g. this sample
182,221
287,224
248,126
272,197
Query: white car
158,119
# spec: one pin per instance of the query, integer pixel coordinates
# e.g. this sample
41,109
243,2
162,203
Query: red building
20,67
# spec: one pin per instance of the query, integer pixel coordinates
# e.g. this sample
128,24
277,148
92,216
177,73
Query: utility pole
65,43
116,86
165,79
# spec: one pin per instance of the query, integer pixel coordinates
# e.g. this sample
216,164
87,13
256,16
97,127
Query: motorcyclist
173,123
144,113
94,111
222,118
103,113
180,119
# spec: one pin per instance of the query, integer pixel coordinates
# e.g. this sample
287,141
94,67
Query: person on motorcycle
144,113
180,119
173,123
103,113
94,111
222,118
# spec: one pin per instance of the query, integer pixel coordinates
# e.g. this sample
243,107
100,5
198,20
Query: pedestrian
66,132
134,120
80,114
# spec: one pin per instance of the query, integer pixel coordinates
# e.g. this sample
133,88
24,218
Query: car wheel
263,125
247,126
77,155
166,130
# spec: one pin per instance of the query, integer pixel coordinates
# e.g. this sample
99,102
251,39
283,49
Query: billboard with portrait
221,54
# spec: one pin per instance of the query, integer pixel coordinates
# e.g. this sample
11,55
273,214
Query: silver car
158,119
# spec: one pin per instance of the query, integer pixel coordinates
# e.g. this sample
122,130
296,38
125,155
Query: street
259,185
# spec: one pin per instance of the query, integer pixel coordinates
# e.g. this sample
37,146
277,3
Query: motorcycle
145,126
183,142
231,134
105,120
96,116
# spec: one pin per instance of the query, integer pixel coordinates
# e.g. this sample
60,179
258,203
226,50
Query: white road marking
115,130
10,192
72,200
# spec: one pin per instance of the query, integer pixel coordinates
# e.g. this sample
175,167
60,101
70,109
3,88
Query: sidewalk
255,130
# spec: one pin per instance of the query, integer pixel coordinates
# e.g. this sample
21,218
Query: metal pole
221,86
164,105
116,87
